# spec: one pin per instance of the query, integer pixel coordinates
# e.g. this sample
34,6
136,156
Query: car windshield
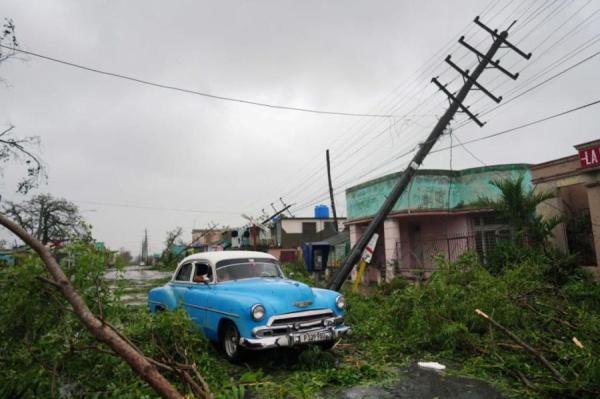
237,269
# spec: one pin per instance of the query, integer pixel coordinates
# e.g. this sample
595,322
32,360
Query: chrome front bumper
292,338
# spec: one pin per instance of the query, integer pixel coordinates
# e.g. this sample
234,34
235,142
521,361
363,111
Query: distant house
10,257
289,233
292,232
434,216
7,258
206,237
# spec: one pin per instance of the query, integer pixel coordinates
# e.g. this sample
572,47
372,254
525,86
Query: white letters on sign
589,157
367,254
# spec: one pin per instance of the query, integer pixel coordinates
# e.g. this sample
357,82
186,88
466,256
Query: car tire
230,342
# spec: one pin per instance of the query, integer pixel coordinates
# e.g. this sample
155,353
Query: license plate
315,336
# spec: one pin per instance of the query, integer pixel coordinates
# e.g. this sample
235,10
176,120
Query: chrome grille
308,316
301,319
298,322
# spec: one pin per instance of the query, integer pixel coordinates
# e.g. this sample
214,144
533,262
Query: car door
182,281
195,300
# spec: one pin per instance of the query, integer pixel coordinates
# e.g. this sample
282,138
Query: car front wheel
230,342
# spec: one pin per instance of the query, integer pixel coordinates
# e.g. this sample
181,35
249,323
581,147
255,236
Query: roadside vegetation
50,354
46,352
541,339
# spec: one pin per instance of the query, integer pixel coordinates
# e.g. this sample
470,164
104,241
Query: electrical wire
540,56
311,176
486,137
189,91
489,136
153,208
467,121
532,17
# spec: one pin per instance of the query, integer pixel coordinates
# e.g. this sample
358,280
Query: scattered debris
519,341
432,365
577,343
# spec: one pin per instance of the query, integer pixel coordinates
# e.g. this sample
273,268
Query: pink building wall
437,234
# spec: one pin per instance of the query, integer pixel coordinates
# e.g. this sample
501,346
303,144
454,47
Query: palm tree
517,208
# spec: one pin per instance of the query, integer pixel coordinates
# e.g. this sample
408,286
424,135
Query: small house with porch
435,215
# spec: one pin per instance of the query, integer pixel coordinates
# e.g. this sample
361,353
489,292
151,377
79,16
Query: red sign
589,157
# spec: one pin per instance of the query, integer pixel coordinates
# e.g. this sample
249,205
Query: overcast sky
135,157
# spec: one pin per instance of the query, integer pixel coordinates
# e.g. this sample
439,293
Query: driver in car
201,275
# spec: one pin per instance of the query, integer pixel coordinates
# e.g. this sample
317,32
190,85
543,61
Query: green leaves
438,319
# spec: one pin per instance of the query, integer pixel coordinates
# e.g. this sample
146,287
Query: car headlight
340,302
257,312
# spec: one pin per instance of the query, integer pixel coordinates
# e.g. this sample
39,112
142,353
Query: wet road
412,383
417,383
138,280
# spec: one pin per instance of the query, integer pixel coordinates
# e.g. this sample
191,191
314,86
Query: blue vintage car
242,300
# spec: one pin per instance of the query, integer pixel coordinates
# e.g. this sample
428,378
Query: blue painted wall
430,188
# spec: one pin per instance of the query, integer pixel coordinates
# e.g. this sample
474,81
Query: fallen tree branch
525,380
554,319
519,341
516,373
201,379
138,363
182,369
48,281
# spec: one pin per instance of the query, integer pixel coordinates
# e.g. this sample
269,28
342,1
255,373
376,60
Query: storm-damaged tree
14,148
48,219
531,232
516,206
170,255
125,256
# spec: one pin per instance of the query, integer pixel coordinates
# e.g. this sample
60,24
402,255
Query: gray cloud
114,141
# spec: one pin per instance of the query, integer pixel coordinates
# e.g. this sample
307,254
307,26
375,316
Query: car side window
202,269
184,273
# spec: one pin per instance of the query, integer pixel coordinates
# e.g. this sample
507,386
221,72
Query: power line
361,147
519,95
189,91
154,208
539,75
549,67
524,125
411,87
539,10
551,78
464,147
463,143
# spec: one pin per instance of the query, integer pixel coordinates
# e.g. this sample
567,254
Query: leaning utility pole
335,223
470,80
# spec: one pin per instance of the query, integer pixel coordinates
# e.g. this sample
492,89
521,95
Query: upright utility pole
470,80
144,256
335,223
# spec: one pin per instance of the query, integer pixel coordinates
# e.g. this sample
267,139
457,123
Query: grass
393,325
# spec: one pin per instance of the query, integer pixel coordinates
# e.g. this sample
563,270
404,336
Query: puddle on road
138,280
136,274
416,383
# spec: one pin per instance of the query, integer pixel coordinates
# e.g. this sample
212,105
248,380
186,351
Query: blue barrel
322,212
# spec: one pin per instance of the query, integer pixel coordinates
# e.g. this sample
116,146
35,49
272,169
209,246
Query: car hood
281,295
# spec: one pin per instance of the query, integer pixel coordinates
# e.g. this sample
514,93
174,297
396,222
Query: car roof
216,256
